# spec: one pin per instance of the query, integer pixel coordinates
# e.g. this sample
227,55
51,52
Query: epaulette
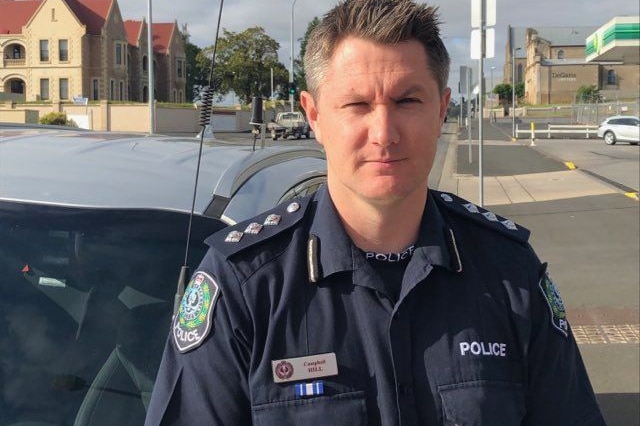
484,217
238,237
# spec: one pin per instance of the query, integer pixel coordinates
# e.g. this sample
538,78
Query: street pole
480,98
513,92
291,95
152,116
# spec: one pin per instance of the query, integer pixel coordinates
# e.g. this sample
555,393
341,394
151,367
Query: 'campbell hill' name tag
304,368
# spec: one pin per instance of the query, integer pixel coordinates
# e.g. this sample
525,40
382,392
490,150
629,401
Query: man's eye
409,101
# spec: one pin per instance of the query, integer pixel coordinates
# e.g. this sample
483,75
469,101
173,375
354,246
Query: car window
615,121
87,298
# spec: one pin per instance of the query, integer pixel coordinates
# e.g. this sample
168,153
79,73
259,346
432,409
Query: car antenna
204,120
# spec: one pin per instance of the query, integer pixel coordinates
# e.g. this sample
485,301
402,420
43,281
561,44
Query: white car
620,128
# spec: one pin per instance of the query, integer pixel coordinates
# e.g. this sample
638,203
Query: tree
505,94
300,75
244,62
197,76
588,94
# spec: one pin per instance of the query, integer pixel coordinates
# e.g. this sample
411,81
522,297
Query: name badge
304,368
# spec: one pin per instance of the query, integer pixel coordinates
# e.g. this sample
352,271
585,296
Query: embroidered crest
556,306
193,321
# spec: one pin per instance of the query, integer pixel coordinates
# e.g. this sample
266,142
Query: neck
384,227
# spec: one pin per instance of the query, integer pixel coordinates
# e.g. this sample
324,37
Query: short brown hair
381,21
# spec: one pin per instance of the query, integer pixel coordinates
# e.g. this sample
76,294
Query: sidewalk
515,188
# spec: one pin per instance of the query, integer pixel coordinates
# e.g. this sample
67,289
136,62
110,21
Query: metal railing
558,129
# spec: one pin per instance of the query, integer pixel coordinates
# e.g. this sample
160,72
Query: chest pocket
344,408
483,402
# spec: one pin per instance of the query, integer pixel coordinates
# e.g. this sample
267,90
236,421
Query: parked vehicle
289,124
93,232
620,128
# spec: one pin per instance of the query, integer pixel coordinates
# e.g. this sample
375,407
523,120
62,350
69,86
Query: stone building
55,50
552,62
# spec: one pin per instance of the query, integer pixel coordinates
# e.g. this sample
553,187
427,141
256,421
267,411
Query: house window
560,54
121,91
179,68
16,52
112,90
145,66
611,77
118,54
63,50
64,88
175,95
44,88
95,90
44,50
181,96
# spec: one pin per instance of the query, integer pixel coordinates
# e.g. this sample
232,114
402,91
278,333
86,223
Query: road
585,223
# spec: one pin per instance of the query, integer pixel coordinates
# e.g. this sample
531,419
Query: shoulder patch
481,216
193,322
556,306
238,237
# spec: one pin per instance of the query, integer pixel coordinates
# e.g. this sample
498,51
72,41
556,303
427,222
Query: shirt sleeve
209,383
559,391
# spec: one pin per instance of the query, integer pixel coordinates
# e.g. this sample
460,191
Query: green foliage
505,94
243,64
588,94
519,90
57,118
503,91
197,75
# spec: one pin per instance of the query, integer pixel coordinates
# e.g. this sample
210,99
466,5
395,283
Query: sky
275,17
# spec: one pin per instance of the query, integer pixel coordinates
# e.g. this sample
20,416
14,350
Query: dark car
93,232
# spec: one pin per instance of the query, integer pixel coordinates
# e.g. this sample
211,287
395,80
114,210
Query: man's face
378,114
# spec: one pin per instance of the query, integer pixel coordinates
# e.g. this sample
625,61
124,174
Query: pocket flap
483,402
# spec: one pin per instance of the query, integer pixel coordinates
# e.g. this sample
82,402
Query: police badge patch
556,306
193,321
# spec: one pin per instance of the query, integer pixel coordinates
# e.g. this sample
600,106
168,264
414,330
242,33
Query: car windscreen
85,308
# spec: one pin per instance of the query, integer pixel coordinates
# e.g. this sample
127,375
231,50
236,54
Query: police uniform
286,322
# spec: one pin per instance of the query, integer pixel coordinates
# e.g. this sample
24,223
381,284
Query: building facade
55,50
552,63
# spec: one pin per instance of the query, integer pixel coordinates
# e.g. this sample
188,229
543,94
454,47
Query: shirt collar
331,250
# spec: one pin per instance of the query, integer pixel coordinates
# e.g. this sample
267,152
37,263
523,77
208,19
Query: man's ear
444,105
309,105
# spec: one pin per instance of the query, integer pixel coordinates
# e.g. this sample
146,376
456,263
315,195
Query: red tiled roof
92,13
15,14
162,36
133,30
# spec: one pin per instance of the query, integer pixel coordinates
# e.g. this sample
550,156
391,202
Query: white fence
586,131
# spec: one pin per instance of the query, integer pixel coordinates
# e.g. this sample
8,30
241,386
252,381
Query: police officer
375,301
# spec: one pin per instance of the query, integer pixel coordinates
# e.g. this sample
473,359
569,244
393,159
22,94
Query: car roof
621,116
118,170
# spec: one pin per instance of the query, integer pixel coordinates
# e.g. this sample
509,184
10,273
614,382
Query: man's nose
383,126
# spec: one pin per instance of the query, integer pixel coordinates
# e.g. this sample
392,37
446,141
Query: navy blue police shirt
286,323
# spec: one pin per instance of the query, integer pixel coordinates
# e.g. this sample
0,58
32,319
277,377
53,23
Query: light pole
513,92
150,70
291,95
